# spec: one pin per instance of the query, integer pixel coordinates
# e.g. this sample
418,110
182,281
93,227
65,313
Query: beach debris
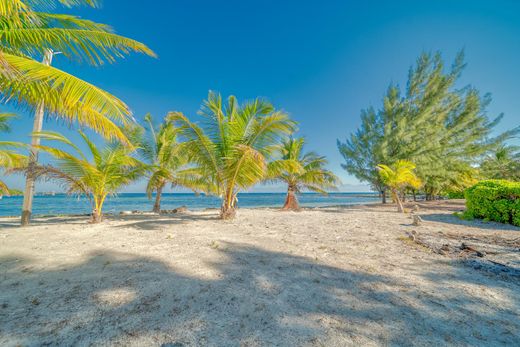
416,219
180,209
468,248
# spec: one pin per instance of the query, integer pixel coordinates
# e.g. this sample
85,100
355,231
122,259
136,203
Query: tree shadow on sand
476,223
251,297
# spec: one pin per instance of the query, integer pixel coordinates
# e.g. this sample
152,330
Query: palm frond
94,47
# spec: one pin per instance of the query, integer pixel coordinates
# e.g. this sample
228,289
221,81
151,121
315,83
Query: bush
496,200
452,194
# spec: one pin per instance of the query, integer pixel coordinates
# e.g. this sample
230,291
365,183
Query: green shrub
453,194
496,200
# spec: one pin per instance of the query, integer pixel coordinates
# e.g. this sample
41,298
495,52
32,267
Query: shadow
10,222
138,221
157,222
476,223
243,296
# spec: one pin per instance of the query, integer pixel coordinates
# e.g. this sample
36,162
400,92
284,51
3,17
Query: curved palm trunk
157,204
33,156
291,201
397,199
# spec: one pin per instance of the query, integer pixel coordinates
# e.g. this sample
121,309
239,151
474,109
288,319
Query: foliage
300,171
497,200
111,168
442,129
398,178
362,150
9,158
167,160
234,144
306,170
504,163
27,32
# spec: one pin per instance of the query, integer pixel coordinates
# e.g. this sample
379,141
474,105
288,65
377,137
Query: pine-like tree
442,129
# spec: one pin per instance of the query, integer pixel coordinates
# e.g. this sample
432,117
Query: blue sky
320,61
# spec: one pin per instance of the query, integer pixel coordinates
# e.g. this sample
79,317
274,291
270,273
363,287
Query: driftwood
416,219
469,248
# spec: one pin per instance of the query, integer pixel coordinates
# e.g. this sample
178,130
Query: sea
62,204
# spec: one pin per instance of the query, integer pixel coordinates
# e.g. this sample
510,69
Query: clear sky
321,61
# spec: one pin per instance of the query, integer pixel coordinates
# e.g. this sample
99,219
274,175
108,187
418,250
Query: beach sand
338,276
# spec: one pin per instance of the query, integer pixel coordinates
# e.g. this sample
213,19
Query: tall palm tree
398,178
111,168
27,34
305,171
234,144
167,161
9,158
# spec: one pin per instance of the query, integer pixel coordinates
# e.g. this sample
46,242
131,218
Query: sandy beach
338,276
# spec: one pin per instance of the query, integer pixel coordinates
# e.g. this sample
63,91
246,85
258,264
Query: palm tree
504,163
234,145
303,171
9,159
27,34
111,168
399,177
167,160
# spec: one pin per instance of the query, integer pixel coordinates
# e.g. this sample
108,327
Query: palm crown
111,168
26,34
167,160
399,177
8,157
234,144
302,171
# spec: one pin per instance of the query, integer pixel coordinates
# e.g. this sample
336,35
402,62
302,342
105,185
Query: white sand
327,277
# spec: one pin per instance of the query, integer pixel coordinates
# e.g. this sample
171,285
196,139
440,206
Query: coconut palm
27,34
167,161
111,168
306,171
234,144
398,178
9,158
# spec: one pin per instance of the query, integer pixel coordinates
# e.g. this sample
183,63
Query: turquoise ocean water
63,204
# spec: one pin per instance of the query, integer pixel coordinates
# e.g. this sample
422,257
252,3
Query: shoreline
149,212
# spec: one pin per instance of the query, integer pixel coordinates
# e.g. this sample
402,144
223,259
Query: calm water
63,204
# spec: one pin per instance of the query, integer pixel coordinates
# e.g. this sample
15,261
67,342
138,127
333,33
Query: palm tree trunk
157,204
398,201
291,201
97,211
33,156
228,209
96,216
414,195
383,196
